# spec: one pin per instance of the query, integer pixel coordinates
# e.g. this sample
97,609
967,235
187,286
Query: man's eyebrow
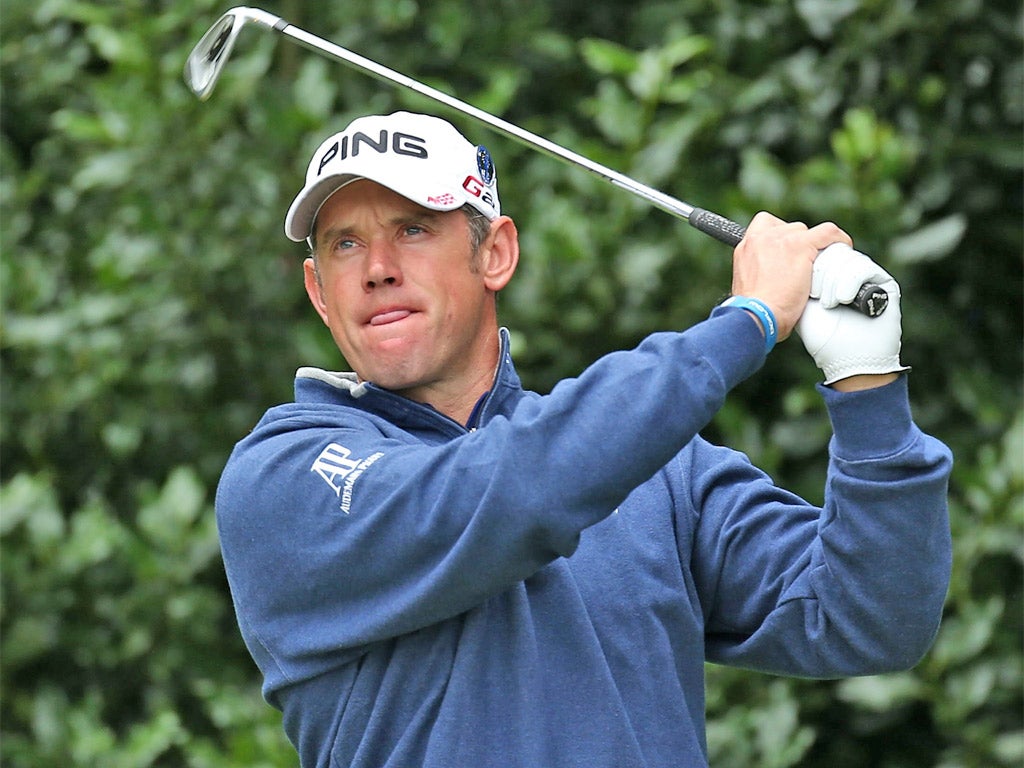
422,215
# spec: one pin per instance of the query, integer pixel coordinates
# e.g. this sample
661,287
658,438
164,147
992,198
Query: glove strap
763,314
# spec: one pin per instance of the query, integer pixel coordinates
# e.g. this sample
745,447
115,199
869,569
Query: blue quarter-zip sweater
543,591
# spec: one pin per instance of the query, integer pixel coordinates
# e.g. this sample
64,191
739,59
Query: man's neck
456,398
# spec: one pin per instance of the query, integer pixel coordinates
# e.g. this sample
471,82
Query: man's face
406,301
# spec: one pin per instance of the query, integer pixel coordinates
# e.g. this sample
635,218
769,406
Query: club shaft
871,300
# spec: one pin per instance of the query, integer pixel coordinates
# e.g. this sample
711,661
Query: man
434,567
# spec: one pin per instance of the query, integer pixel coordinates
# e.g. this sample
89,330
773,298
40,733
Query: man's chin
399,376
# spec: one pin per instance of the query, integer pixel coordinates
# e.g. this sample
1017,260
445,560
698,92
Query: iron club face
207,59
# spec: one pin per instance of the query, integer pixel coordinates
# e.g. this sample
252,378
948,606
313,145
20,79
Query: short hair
479,227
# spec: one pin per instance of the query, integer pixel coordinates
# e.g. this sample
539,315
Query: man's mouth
391,316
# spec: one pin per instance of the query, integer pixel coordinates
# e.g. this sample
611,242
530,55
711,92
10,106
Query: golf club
207,59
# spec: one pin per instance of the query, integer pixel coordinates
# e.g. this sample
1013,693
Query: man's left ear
500,254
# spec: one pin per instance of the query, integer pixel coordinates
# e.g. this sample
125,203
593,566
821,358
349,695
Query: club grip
722,229
871,299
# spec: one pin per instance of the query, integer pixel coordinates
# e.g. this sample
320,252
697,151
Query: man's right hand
774,262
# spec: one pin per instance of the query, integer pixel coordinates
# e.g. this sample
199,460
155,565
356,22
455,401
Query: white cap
422,158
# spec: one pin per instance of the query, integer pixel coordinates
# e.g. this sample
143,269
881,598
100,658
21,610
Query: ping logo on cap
400,143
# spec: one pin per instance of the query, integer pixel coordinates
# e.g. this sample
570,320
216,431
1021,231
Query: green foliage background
152,310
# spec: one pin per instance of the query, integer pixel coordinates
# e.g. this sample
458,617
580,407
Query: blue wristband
762,313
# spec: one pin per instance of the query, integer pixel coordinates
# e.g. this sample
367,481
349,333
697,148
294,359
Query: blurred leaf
931,242
966,635
881,693
607,57
761,178
315,88
822,16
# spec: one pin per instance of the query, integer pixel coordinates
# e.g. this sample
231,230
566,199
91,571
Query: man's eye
343,245
414,229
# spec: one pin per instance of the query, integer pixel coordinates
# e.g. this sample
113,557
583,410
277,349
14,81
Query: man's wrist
862,381
760,312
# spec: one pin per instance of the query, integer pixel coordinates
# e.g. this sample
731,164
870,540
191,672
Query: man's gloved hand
844,342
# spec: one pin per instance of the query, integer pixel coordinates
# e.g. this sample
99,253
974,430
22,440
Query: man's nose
382,266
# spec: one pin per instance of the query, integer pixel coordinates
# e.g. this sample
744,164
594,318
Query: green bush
152,310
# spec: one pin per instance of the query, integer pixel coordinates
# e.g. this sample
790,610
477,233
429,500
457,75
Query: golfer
434,567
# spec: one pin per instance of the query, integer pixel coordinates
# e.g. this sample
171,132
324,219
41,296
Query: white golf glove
842,341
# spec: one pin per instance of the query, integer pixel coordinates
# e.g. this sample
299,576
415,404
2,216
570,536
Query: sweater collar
316,385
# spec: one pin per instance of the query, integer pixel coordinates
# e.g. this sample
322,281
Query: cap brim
298,224
304,209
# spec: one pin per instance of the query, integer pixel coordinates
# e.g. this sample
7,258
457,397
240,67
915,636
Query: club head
204,64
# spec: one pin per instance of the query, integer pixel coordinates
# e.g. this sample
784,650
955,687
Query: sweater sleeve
424,528
855,587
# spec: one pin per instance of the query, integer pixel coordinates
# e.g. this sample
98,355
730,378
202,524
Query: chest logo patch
340,471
